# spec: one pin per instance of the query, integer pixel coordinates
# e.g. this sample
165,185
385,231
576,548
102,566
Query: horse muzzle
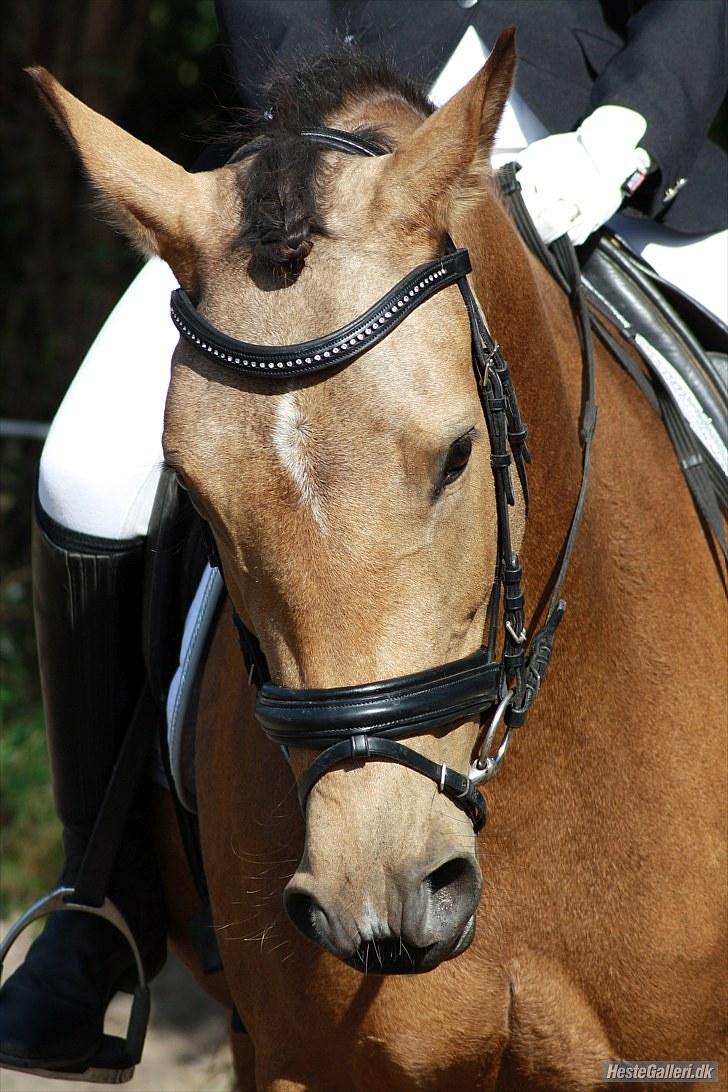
429,917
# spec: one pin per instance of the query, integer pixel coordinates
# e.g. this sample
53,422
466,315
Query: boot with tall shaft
88,608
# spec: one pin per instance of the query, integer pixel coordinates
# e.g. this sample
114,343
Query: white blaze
291,441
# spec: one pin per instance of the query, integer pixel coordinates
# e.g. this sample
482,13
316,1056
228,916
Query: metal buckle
123,1054
486,766
517,638
487,362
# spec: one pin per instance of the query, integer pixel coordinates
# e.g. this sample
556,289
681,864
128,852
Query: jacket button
672,190
467,3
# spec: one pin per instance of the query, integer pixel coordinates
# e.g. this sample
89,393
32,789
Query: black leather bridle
356,723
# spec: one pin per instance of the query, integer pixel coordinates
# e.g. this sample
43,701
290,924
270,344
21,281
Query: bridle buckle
487,361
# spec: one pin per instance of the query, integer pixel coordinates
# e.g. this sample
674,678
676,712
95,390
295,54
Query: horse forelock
283,193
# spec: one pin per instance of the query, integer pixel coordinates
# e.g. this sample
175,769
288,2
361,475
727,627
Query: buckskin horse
354,512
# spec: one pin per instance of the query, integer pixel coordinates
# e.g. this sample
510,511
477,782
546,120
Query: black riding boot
88,605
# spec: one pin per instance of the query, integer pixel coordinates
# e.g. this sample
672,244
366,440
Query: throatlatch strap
707,481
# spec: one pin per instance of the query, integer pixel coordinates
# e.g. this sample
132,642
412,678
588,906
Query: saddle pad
704,427
180,727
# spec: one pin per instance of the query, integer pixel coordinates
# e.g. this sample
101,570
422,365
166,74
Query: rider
642,88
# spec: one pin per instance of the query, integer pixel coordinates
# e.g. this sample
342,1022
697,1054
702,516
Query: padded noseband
398,707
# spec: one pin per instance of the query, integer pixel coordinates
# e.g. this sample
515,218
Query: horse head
353,514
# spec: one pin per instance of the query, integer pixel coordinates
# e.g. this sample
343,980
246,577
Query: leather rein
356,723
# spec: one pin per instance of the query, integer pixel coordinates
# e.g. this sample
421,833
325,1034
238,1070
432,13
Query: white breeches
101,462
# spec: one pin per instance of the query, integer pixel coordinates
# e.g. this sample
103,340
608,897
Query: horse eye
456,461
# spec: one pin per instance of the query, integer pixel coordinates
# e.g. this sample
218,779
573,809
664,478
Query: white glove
572,182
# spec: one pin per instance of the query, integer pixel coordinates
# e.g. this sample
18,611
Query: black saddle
682,346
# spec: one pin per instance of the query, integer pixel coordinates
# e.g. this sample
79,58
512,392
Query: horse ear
163,208
446,159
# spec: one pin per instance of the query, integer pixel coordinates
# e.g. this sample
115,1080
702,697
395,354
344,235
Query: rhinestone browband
335,349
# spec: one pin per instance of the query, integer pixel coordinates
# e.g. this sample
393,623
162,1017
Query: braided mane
283,194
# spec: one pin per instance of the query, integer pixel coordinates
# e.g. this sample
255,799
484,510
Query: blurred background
153,67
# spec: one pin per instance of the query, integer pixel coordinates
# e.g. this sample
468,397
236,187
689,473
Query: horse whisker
277,946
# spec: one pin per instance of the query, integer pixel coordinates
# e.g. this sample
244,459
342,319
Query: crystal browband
335,349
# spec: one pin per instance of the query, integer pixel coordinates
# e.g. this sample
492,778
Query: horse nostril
454,890
318,921
448,874
440,904
305,913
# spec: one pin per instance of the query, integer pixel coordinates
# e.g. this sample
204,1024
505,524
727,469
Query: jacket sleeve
673,70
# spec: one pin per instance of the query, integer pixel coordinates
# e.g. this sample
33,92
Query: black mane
282,195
